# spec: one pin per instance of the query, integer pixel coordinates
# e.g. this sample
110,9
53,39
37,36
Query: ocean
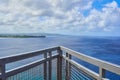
104,48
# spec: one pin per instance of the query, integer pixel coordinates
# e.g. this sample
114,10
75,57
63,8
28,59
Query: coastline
21,36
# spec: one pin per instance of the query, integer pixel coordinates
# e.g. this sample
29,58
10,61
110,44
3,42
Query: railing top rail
21,56
97,62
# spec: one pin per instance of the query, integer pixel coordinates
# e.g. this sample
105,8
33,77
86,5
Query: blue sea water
105,48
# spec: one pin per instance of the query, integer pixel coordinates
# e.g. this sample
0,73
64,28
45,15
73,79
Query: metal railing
102,65
55,64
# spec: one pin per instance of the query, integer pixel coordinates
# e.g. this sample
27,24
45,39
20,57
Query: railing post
59,65
101,73
66,76
45,66
68,67
2,71
50,66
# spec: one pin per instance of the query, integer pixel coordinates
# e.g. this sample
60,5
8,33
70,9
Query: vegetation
22,36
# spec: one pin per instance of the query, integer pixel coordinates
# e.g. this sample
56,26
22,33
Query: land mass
21,36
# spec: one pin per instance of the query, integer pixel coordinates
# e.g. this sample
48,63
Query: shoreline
21,36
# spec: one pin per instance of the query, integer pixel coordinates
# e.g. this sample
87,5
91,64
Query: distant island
21,36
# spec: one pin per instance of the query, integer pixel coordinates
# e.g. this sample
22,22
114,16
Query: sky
72,17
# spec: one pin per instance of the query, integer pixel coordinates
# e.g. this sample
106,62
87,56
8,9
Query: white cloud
105,20
112,5
56,16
